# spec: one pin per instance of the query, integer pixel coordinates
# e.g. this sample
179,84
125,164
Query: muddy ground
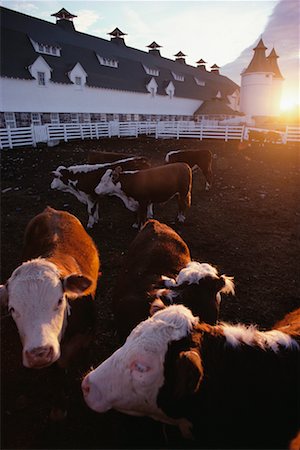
247,225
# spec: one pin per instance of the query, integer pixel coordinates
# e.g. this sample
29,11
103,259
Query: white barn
51,73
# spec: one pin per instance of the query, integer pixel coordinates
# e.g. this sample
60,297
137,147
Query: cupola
64,19
153,49
215,69
180,57
201,64
273,65
117,36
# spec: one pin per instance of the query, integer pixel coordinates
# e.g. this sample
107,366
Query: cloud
282,32
85,20
26,7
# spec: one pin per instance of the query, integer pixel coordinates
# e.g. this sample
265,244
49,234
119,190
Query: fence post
96,130
9,137
201,131
177,130
33,136
242,134
65,133
226,133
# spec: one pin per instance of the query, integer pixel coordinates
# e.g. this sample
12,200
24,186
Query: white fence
30,136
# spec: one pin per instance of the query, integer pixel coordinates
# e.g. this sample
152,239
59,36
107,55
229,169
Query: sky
218,31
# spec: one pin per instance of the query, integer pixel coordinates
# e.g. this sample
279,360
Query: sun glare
287,103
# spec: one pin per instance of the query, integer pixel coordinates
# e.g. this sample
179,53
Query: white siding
25,95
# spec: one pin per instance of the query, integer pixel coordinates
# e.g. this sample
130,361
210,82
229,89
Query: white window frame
54,117
108,62
177,76
41,78
45,49
36,119
86,117
151,71
199,81
10,120
74,118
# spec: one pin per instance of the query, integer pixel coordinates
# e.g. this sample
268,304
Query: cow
295,443
140,189
58,274
196,159
97,157
274,137
81,181
158,271
258,137
226,386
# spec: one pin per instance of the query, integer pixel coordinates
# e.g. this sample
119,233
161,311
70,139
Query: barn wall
17,95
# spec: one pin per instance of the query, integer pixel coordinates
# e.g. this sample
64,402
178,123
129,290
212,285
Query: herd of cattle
223,385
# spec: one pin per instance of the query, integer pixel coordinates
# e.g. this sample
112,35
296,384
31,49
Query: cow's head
61,178
36,296
109,183
130,379
197,286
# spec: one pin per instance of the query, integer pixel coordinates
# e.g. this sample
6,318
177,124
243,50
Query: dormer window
177,77
199,82
170,90
152,87
47,49
78,81
41,79
108,62
151,71
78,76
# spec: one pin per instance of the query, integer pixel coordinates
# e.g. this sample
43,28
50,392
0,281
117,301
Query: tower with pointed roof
261,84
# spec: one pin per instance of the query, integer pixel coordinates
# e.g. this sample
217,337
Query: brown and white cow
158,271
49,295
81,181
140,189
196,159
228,386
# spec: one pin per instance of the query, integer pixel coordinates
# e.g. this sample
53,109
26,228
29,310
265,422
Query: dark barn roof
17,53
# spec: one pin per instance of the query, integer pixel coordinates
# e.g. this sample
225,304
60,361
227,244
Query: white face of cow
130,379
38,305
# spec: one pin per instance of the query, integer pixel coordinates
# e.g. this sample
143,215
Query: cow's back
157,250
60,237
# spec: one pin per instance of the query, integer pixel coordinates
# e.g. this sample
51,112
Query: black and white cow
81,181
158,271
196,159
227,386
140,189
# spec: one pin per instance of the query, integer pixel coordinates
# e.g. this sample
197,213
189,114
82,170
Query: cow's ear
3,296
116,174
225,284
189,373
76,284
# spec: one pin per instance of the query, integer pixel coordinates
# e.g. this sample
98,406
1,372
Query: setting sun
288,102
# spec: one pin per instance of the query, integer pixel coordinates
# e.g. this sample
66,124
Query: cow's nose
85,386
40,356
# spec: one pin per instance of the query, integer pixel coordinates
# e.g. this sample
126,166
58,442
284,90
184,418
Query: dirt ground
247,225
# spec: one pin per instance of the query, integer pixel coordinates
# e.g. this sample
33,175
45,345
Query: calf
158,271
140,189
81,181
60,269
227,386
97,157
274,137
196,159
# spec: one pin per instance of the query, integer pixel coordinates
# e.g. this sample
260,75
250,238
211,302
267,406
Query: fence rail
30,136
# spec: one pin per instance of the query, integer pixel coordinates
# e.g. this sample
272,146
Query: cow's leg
208,177
142,214
183,204
150,214
93,213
